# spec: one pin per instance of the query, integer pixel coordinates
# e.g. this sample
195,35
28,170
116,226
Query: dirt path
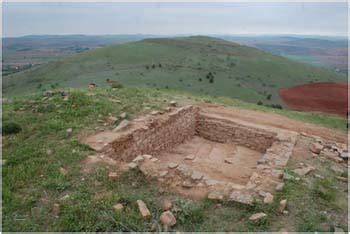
274,120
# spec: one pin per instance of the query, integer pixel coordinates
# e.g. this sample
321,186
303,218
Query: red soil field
325,97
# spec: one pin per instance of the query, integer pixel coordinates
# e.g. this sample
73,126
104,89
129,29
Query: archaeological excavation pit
199,153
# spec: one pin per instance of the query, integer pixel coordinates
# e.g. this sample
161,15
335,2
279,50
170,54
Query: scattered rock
118,207
168,219
112,120
56,209
316,147
167,205
163,173
69,132
282,206
229,160
132,165
138,159
268,198
319,176
173,165
197,175
112,176
303,171
144,211
154,112
215,195
344,155
173,103
49,152
242,197
257,216
123,115
190,157
123,124
279,186
154,160
63,171
254,176
147,156
187,184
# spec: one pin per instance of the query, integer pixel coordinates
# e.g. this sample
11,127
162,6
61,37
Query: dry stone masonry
143,142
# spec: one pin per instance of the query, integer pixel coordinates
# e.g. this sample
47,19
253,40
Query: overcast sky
174,18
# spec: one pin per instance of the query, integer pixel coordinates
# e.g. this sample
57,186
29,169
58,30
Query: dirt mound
325,97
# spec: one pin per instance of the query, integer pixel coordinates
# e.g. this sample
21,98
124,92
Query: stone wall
222,130
158,135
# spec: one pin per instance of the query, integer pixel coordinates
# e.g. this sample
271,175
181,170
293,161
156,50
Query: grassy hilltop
201,65
42,166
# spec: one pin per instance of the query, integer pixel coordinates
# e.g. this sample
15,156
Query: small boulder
147,156
173,103
168,219
167,205
123,124
112,176
123,115
282,206
69,132
112,120
154,112
196,175
268,198
190,157
173,165
132,165
316,147
154,160
215,195
344,155
279,186
187,184
144,211
257,216
138,159
118,207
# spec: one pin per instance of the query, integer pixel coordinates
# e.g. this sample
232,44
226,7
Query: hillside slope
201,65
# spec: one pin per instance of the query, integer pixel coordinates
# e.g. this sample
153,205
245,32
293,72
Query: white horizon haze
327,19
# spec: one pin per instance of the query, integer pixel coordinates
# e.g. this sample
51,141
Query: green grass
32,181
239,71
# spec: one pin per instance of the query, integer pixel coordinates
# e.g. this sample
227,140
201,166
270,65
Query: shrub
259,103
269,97
11,128
200,79
153,66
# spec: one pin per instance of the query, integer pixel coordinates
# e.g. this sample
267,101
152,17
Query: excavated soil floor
209,159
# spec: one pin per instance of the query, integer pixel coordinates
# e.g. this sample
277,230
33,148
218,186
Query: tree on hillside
269,97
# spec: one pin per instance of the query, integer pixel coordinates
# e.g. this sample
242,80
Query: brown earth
325,97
